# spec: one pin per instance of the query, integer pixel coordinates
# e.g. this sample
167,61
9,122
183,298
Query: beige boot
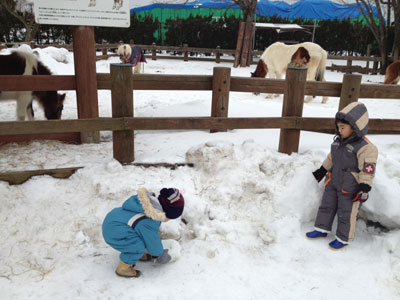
126,270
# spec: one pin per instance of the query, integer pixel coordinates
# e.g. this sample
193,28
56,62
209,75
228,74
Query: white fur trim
149,210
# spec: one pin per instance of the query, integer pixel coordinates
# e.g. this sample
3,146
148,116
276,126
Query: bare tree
379,27
23,11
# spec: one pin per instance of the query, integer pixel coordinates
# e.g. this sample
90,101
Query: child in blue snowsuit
351,169
133,228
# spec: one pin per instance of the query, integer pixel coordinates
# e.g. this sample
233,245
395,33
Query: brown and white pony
301,57
392,74
275,59
24,63
132,55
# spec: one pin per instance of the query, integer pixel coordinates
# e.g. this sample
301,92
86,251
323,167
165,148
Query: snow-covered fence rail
221,83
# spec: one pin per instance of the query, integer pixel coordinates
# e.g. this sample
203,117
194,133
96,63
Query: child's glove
164,258
319,174
362,195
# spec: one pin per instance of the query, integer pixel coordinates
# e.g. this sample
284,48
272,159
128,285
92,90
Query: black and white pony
133,55
24,63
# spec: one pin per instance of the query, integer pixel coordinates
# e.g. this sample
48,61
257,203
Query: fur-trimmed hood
141,203
356,115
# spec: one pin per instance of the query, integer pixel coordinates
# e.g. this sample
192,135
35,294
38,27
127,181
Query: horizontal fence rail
192,83
195,123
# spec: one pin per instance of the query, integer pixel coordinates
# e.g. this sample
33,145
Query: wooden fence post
350,90
218,55
185,52
220,93
293,101
86,80
122,106
153,52
349,64
368,55
375,67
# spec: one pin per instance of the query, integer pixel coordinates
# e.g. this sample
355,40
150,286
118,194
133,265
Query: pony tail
320,74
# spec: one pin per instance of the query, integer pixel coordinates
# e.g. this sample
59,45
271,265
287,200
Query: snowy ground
247,206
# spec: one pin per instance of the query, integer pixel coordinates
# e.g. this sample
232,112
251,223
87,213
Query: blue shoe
337,245
316,234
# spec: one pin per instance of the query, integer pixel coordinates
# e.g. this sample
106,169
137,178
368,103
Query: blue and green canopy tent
306,9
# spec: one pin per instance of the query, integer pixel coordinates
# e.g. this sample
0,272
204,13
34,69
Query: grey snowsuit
351,161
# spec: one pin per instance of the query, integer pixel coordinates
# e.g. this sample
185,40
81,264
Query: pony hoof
307,99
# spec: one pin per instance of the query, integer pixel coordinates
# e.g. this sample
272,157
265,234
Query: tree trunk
247,45
396,41
31,30
244,45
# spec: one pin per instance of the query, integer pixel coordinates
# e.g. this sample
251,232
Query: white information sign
107,13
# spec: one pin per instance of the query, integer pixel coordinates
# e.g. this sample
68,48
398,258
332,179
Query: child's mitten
164,258
362,194
319,174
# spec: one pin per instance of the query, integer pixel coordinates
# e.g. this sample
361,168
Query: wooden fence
155,52
123,123
183,53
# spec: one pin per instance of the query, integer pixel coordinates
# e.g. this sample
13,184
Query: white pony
132,55
276,58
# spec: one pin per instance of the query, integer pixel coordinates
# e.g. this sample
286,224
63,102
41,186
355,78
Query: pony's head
52,103
301,57
124,52
261,70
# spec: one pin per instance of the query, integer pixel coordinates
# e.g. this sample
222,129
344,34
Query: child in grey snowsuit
133,228
351,168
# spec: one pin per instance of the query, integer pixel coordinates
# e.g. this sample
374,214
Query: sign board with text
107,13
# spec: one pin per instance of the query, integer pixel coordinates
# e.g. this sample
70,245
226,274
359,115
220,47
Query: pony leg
310,77
277,76
137,69
30,113
23,101
272,75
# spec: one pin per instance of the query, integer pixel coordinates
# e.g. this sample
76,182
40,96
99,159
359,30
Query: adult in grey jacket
349,169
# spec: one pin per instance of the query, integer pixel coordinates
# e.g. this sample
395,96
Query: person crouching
132,229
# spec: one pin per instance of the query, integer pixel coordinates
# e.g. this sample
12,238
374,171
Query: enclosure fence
155,52
221,83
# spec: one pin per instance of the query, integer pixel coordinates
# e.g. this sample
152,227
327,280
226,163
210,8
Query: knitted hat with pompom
172,202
